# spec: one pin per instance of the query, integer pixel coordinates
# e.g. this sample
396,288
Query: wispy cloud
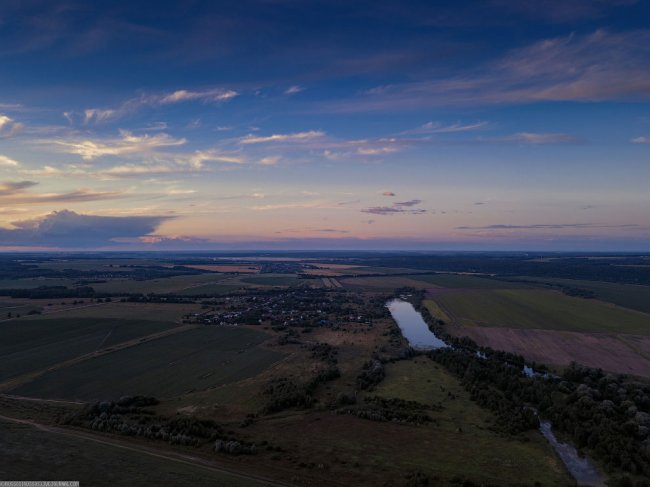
11,187
294,137
8,161
388,193
440,128
554,226
126,144
401,207
641,140
269,160
600,66
537,138
292,90
9,127
99,115
17,192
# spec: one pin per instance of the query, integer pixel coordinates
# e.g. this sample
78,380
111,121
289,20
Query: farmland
627,295
280,354
28,345
35,454
541,309
166,367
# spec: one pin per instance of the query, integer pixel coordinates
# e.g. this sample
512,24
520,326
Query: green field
161,286
209,289
552,310
464,281
32,283
458,444
193,360
31,344
628,295
272,280
16,307
31,454
384,283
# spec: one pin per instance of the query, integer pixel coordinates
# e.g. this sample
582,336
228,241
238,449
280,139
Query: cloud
99,115
388,193
9,127
69,229
269,160
292,90
601,66
408,203
132,170
8,161
439,128
392,210
641,140
127,144
95,115
217,94
10,187
534,138
14,192
376,151
295,137
197,159
554,226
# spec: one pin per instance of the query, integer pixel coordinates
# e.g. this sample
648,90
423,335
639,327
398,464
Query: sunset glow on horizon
286,125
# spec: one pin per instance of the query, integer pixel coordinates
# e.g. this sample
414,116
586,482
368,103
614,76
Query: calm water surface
413,326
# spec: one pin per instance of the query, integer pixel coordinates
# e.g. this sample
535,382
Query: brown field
626,354
242,269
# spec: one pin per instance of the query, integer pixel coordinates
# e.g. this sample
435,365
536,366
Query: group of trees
606,414
130,416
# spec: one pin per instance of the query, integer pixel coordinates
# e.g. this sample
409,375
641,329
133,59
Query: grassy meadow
552,310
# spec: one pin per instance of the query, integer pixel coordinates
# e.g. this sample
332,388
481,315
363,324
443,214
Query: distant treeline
11,269
624,268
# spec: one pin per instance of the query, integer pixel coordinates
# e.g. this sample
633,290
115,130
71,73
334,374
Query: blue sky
325,124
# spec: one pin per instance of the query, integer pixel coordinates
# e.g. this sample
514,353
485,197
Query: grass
31,344
193,360
31,454
384,283
17,307
543,309
171,312
458,444
464,281
272,280
436,311
631,296
164,285
33,283
210,289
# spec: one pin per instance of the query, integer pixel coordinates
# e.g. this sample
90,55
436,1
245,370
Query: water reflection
413,326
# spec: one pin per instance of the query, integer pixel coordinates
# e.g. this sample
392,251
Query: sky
316,124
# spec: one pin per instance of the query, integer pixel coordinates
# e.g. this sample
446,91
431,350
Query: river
420,337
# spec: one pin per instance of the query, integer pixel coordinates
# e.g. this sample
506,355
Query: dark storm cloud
69,229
